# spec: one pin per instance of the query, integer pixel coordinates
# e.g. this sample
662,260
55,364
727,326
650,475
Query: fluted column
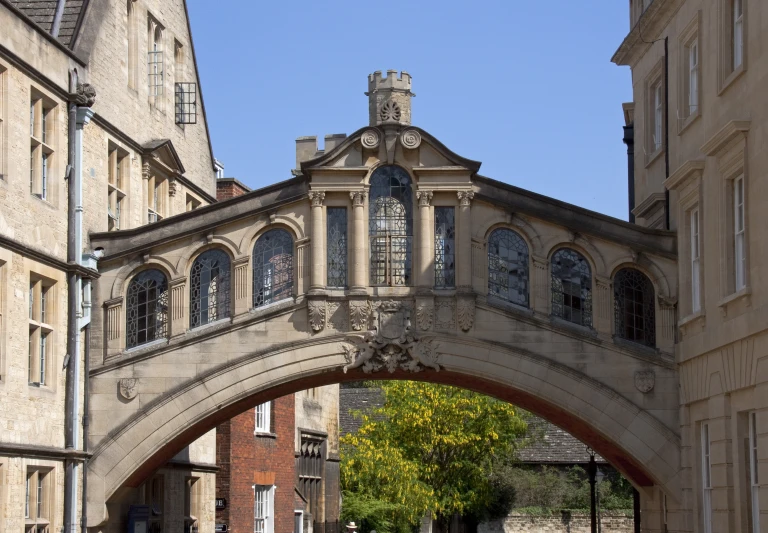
317,275
464,247
358,246
425,273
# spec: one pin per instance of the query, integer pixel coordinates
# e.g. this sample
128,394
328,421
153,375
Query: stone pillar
178,306
425,267
601,305
317,274
539,290
114,326
240,284
359,283
464,245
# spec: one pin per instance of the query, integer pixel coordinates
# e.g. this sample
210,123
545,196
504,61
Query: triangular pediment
162,150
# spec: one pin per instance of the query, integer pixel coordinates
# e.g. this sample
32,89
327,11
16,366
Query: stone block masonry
567,522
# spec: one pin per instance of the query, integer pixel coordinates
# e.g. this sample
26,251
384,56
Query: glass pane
445,247
634,308
272,267
571,287
337,246
390,226
146,308
508,267
209,298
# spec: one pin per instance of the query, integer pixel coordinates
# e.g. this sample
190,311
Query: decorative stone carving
390,111
316,310
317,198
425,313
173,187
668,308
410,139
359,314
128,388
465,198
392,344
645,380
424,198
338,316
357,197
445,310
85,95
370,139
466,313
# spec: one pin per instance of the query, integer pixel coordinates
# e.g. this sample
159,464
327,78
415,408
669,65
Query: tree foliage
428,448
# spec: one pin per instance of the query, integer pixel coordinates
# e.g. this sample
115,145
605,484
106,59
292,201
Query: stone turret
389,98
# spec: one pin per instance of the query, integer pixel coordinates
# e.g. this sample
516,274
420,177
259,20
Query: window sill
265,434
499,303
285,302
691,318
210,325
743,294
652,157
146,345
636,346
690,119
731,79
578,328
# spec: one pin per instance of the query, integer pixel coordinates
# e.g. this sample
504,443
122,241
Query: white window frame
300,514
754,482
706,479
737,36
693,77
263,509
739,234
658,115
695,249
262,422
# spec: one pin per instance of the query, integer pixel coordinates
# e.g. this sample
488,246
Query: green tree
428,448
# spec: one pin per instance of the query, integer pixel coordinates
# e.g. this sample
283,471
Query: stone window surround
156,514
48,508
118,161
727,75
44,106
156,36
3,125
691,33
132,38
654,78
193,488
42,322
157,178
704,476
5,257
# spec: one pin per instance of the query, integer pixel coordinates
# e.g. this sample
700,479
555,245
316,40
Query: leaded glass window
508,267
391,226
209,288
445,247
571,287
147,308
272,267
337,246
633,307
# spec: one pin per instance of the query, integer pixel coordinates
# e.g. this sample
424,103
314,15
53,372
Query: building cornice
12,449
680,177
722,138
46,259
646,31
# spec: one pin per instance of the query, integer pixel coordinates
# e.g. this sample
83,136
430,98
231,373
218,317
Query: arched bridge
387,256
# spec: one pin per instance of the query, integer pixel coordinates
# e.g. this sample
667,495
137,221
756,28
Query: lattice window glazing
147,308
508,267
310,466
155,64
337,246
571,287
634,308
445,251
186,103
272,267
391,226
209,288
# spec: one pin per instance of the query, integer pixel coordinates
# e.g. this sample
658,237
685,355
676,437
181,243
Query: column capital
317,198
465,197
145,170
357,197
424,198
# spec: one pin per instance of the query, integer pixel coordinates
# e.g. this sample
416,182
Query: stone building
102,127
697,130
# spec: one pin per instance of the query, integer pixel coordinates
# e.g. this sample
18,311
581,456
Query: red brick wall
228,189
244,457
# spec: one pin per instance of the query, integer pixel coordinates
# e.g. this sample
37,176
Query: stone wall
565,523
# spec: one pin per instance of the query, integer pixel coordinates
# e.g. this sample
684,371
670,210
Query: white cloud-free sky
526,87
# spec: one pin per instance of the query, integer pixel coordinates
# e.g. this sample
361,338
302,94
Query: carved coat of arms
128,389
645,380
392,344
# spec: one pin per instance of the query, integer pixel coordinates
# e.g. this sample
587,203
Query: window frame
654,114
739,233
285,290
647,303
38,502
732,59
706,478
42,316
337,248
264,508
694,249
585,310
689,97
219,291
754,481
43,135
525,264
118,182
263,411
155,62
160,310
445,262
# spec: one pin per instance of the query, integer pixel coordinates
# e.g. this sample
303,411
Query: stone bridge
389,255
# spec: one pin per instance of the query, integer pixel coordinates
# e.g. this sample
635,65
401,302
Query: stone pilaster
317,245
114,326
178,305
601,305
302,265
240,284
358,270
539,289
464,260
666,322
144,191
425,269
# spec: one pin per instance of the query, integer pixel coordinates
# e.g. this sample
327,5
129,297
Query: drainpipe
57,17
666,130
629,140
86,384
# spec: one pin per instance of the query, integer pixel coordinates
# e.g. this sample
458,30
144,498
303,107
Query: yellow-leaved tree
429,448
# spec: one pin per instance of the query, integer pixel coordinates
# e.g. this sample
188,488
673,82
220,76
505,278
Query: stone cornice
46,259
646,31
679,178
42,452
728,133
649,203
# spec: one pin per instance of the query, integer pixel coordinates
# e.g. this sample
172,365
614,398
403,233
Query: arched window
147,308
272,267
634,308
508,267
571,287
391,226
209,288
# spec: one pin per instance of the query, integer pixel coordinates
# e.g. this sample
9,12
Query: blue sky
529,91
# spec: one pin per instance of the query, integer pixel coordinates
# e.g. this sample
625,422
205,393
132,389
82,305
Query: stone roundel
370,139
410,139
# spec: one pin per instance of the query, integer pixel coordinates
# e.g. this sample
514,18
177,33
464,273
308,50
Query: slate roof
555,446
42,12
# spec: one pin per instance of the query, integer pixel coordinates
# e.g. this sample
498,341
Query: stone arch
186,261
640,446
647,266
132,268
585,248
519,225
262,226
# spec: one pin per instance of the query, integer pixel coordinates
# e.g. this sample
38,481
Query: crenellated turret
389,98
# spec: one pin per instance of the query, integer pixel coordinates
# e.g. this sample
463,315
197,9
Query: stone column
539,289
601,305
464,245
114,326
240,284
425,270
178,316
317,275
359,283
